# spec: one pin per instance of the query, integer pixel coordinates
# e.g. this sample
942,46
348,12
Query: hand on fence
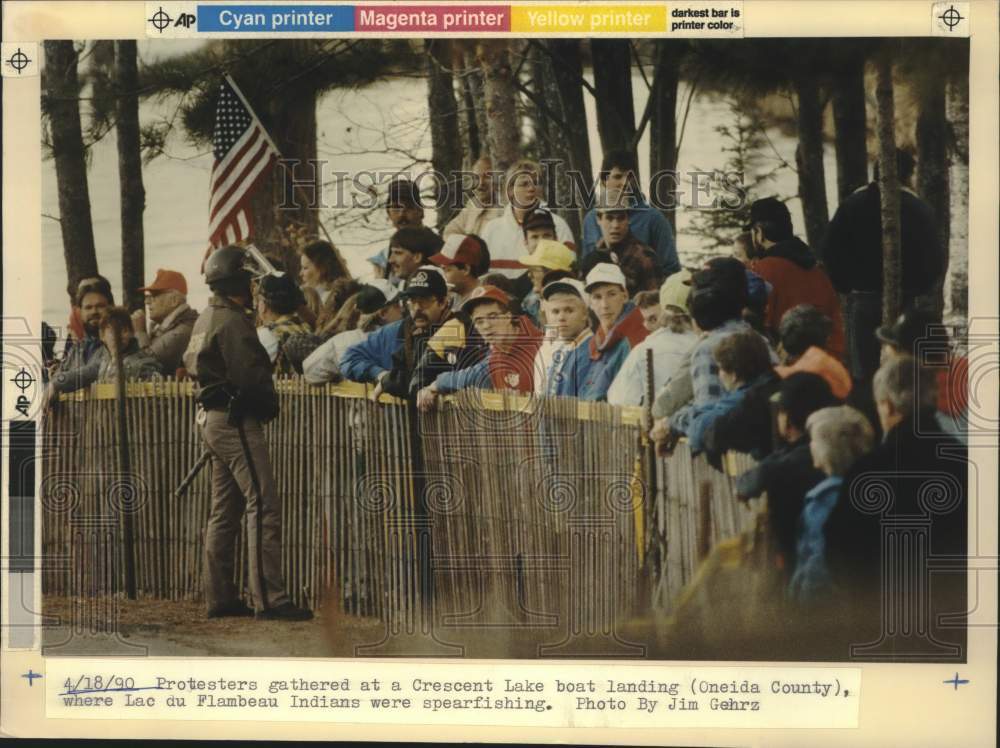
376,393
427,398
665,439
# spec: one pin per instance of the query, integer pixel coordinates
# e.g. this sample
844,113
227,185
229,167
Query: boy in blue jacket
620,328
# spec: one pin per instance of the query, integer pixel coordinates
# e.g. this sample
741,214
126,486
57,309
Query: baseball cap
564,285
604,272
676,289
550,254
167,280
376,294
461,249
428,280
769,209
485,293
539,218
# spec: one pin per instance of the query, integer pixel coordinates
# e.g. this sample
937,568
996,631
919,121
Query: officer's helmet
226,271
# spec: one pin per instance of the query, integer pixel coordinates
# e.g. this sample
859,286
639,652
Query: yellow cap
551,255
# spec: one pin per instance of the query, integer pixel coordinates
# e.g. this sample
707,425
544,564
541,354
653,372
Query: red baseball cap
461,249
485,293
167,280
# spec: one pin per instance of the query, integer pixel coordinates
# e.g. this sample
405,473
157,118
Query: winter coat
323,364
851,250
785,475
451,344
325,310
512,369
795,278
504,237
811,578
669,351
364,361
608,351
745,427
137,365
81,365
705,383
561,366
922,475
288,341
646,224
167,341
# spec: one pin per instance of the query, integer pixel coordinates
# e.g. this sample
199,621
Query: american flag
244,156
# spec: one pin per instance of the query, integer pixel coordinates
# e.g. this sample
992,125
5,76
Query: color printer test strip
21,534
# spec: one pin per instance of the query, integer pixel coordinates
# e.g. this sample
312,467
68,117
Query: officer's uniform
227,359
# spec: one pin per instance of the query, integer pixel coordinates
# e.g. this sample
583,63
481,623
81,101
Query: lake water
381,126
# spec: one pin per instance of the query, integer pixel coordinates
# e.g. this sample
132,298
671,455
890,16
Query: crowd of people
748,352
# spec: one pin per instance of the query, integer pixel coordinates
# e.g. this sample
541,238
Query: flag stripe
245,182
244,157
236,184
223,171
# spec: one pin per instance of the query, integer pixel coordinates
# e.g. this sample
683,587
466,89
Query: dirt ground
159,628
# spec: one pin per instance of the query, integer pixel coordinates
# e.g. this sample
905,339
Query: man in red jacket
784,261
509,364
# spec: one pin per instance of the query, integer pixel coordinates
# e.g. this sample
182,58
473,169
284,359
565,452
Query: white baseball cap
564,285
605,272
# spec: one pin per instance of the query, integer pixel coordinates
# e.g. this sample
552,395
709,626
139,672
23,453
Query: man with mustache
513,342
418,359
82,365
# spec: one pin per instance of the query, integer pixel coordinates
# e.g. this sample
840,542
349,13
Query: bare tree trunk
566,75
476,101
63,105
663,129
851,129
541,106
500,96
467,124
932,173
956,296
611,60
809,160
563,132
446,142
130,173
888,184
290,119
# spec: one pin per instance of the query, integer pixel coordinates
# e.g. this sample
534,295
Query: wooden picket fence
493,504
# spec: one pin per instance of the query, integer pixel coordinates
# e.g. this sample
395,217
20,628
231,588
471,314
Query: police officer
235,395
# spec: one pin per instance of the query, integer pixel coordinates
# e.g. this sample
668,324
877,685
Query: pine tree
744,176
